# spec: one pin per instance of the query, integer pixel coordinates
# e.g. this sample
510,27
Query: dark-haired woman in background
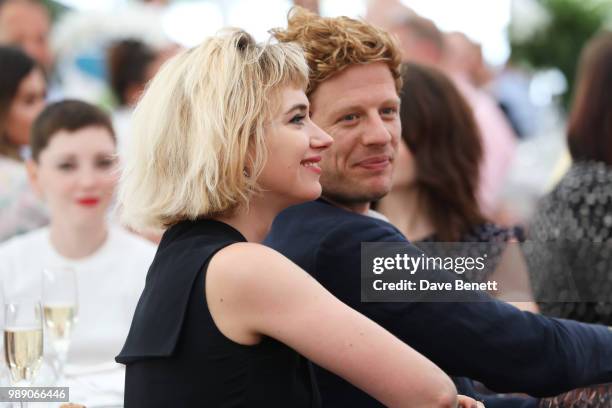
22,97
436,178
575,219
131,65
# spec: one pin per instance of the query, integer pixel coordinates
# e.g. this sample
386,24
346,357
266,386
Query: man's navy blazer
486,340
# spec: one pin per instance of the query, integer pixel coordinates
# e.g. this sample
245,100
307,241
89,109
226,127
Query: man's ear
32,169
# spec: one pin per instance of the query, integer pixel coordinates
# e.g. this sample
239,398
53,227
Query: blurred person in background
574,221
26,24
464,57
510,87
73,168
82,37
436,177
422,42
312,5
23,89
463,63
433,197
158,3
22,97
383,13
131,64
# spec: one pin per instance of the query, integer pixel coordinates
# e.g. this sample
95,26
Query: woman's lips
88,202
311,164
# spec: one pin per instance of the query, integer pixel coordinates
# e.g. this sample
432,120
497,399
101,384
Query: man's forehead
357,85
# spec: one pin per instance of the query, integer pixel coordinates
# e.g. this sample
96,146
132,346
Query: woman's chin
86,217
313,194
305,197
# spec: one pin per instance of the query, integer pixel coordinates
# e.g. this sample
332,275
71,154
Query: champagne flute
60,313
23,341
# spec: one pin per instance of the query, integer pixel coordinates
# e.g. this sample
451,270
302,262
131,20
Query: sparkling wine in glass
23,341
60,313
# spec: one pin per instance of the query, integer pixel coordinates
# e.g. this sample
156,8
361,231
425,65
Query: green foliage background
55,8
559,44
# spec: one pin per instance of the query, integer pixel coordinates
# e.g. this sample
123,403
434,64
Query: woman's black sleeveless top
175,354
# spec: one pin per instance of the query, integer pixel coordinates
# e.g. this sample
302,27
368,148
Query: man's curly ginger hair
333,44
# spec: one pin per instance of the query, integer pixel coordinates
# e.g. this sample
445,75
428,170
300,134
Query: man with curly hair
353,92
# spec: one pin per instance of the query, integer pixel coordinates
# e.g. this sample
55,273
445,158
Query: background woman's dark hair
15,65
590,125
439,128
128,61
70,115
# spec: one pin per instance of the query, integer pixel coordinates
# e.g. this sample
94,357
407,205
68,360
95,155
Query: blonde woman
222,143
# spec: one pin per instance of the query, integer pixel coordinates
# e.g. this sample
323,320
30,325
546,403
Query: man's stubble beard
334,190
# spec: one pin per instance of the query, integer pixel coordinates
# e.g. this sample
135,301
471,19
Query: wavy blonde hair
333,44
197,143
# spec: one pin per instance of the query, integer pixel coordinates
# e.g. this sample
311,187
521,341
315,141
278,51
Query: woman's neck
253,222
77,241
406,210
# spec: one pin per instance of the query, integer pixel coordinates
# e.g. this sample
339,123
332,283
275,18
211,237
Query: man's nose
376,133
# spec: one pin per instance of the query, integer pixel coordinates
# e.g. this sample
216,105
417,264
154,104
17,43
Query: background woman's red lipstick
88,201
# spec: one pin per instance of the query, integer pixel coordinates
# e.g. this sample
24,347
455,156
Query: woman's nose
320,139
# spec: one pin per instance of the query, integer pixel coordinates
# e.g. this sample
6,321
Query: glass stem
59,363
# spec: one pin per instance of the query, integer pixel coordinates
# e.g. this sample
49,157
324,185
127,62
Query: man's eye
389,111
350,117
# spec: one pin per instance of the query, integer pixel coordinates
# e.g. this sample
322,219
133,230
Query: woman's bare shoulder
247,255
247,266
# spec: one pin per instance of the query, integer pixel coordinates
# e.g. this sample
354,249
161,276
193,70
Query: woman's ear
32,169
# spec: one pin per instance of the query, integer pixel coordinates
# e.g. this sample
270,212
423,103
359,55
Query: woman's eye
298,119
30,99
66,166
106,163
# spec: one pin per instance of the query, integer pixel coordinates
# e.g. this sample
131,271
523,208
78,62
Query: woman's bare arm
253,291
